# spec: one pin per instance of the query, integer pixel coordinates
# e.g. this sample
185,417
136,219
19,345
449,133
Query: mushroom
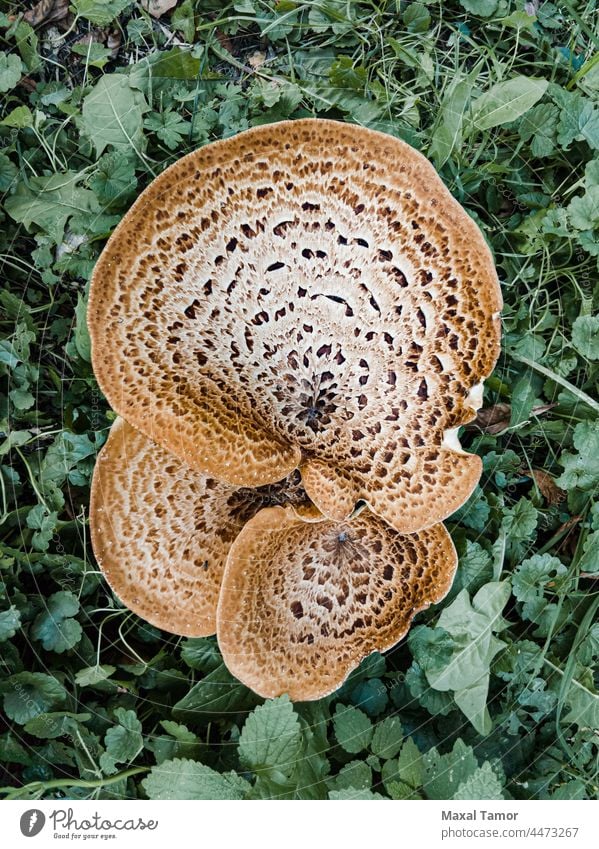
303,295
297,600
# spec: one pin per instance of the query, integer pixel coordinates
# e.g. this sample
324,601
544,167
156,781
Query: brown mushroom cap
161,531
302,603
305,293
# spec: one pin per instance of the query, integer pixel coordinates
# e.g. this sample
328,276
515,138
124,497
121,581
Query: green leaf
539,127
44,524
506,101
581,470
345,74
584,211
387,738
482,8
123,741
270,739
168,126
448,134
185,779
216,694
49,202
81,334
482,784
475,512
30,694
18,118
100,12
403,778
443,774
416,18
523,398
95,55
355,775
585,334
49,726
10,71
589,562
584,707
353,729
532,576
112,114
472,627
355,795
520,521
475,567
54,628
91,675
431,647
114,179
10,622
64,456
579,118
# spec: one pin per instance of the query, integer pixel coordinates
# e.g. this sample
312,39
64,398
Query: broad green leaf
520,521
447,136
91,675
584,707
49,726
387,738
431,647
581,469
403,778
443,774
355,775
100,12
185,779
482,8
355,795
10,71
353,729
31,693
585,335
123,741
54,627
49,202
506,101
218,694
10,622
482,784
271,738
112,115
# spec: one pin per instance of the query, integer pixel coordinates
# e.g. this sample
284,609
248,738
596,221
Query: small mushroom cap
303,294
161,531
302,603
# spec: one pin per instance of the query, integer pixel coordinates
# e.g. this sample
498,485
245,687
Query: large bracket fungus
297,600
305,294
293,324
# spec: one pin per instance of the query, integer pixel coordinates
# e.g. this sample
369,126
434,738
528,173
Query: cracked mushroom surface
297,600
161,531
303,295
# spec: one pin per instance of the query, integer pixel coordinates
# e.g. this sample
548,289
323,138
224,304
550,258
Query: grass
97,703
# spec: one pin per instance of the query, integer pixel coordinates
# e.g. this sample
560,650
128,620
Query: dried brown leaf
157,8
47,11
548,487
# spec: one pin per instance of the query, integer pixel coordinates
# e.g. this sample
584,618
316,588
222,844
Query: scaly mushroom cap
304,294
302,603
161,531
301,598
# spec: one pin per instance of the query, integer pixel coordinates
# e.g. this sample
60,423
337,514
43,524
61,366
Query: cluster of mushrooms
292,325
